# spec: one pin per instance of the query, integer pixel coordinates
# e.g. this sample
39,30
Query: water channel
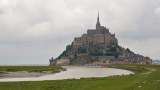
76,72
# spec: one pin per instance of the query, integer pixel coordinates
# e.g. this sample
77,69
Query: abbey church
98,47
100,35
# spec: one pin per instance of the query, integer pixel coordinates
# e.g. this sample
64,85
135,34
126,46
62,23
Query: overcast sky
32,31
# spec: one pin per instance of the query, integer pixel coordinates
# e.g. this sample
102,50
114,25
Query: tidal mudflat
75,72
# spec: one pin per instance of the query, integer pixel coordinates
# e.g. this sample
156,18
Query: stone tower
98,25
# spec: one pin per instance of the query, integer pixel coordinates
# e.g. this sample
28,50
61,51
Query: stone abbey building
98,47
100,35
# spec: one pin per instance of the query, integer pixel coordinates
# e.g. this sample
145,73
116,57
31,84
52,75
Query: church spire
98,23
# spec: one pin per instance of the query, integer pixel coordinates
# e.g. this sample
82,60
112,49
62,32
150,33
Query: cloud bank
33,31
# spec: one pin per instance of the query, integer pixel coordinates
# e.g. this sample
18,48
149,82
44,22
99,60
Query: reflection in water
76,72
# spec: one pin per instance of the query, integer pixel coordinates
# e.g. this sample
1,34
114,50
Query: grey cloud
33,31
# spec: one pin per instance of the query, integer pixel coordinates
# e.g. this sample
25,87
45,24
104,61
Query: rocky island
98,47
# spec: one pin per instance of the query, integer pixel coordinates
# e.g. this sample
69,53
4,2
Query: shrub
128,50
82,50
65,53
96,53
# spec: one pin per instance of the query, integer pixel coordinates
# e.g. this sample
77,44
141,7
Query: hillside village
98,47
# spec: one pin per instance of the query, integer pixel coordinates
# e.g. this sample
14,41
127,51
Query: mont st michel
69,45
98,47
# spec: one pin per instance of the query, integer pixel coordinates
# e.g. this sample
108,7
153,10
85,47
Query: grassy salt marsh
29,68
146,78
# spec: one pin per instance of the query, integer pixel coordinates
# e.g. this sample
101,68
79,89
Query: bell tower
98,25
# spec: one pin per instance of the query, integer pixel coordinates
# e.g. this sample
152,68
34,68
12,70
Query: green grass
145,79
133,67
30,68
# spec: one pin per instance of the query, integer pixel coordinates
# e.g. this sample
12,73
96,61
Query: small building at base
63,61
59,62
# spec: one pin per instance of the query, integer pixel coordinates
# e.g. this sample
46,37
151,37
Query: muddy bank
23,74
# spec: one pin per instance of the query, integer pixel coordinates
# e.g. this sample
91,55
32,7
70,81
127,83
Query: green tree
65,53
116,54
96,53
82,50
128,50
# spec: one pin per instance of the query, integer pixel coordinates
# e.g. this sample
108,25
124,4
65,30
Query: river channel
76,72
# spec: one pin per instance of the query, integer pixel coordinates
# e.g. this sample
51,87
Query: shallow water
76,72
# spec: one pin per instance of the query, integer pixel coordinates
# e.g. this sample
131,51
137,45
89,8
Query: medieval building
100,35
98,47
